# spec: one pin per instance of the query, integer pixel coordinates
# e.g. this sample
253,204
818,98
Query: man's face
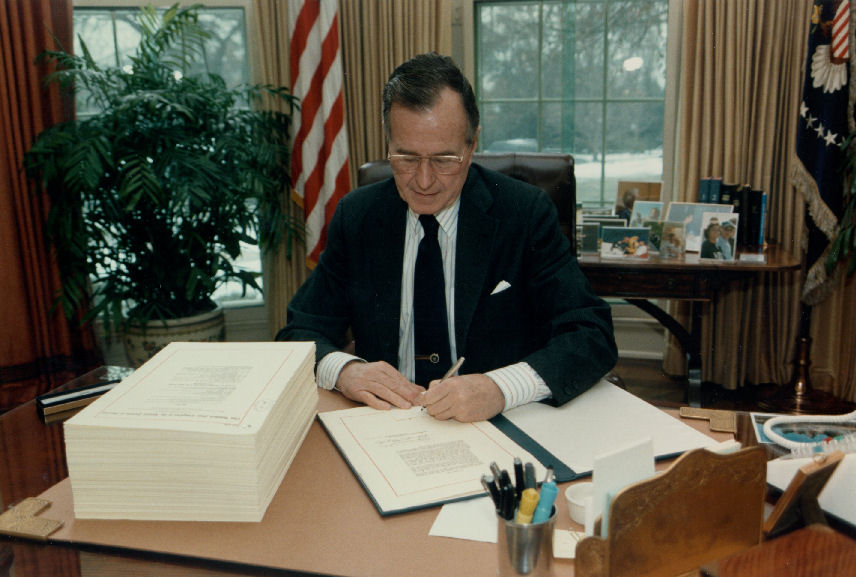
438,130
727,231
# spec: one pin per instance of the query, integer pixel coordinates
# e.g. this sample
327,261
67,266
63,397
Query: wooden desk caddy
704,507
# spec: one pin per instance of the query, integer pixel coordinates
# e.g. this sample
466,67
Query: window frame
465,53
251,40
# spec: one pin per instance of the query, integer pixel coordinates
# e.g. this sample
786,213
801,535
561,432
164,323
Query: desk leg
690,342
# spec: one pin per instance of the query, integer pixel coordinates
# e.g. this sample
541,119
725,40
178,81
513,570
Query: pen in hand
454,368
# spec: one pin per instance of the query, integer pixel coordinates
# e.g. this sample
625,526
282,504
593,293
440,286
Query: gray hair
417,83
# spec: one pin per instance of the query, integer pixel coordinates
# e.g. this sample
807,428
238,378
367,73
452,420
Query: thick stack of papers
201,432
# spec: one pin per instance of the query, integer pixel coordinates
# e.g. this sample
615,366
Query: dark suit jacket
507,230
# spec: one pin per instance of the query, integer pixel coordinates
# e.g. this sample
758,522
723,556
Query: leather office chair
553,173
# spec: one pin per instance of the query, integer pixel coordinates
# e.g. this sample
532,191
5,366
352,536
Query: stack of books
201,432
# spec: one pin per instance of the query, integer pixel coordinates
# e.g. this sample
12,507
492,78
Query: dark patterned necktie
430,327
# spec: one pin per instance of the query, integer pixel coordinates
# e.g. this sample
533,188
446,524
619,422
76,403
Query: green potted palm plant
152,197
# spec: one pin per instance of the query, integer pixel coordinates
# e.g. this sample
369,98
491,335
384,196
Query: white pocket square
501,286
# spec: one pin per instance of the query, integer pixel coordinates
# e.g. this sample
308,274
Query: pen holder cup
525,548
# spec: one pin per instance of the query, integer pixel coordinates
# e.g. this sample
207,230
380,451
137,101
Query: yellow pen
528,501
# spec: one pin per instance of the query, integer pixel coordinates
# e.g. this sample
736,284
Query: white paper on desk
598,421
837,497
474,520
614,471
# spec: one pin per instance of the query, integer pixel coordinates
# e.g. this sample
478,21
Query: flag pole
800,398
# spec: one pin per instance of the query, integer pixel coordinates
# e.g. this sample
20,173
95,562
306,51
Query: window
110,30
587,77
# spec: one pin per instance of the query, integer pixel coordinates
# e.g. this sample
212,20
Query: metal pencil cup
525,548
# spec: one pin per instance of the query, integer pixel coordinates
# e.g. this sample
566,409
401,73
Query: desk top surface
348,537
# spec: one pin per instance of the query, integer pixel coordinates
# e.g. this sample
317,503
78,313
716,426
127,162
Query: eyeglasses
440,164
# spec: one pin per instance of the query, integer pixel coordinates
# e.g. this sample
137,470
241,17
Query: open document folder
407,460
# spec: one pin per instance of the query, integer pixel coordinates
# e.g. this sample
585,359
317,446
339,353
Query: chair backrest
553,173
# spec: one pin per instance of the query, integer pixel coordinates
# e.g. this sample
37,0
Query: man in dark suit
517,306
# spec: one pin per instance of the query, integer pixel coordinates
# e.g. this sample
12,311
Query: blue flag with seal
824,123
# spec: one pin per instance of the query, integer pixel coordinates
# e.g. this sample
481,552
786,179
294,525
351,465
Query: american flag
319,159
824,124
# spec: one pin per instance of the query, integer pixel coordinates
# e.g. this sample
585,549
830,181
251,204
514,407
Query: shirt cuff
329,367
520,384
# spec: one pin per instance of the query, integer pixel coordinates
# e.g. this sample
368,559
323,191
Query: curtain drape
378,36
39,347
375,36
284,268
741,78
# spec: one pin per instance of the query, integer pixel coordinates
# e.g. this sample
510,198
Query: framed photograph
631,191
690,213
655,228
651,210
588,237
798,506
624,242
603,221
719,235
598,211
672,239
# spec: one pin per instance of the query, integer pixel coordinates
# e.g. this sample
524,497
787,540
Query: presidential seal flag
319,158
826,119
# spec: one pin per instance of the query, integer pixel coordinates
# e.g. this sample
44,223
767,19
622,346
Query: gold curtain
833,364
283,274
378,35
375,36
741,77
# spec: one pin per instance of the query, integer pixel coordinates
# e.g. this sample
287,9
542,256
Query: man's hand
466,398
378,385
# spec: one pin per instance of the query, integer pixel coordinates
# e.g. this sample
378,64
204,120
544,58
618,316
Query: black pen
494,469
529,476
505,481
508,501
490,486
519,482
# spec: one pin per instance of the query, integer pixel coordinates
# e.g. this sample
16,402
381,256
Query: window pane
96,27
634,142
588,21
508,50
509,126
588,151
226,50
127,34
598,58
637,49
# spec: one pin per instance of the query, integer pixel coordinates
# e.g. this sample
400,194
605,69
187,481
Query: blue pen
549,490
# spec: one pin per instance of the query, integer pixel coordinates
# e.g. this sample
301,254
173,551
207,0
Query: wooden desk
690,279
336,528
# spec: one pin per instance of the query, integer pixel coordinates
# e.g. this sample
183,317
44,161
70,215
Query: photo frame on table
603,221
624,242
628,192
651,210
588,237
798,506
672,240
719,236
690,214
